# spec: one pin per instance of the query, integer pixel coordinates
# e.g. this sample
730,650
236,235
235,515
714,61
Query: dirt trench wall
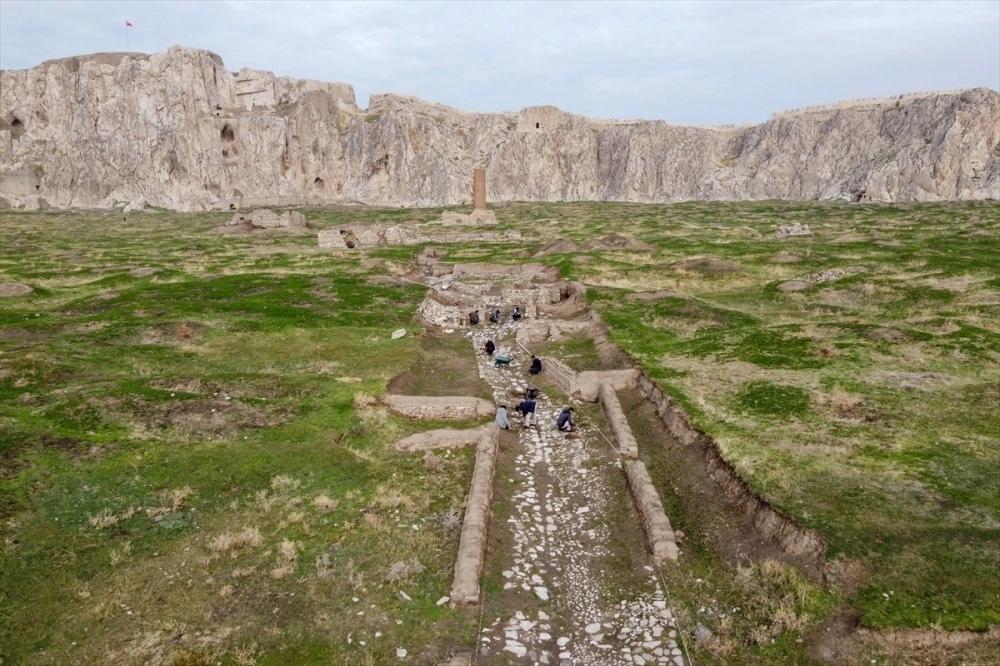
801,544
475,527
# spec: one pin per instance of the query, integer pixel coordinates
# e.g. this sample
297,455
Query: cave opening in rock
16,128
227,133
538,125
319,184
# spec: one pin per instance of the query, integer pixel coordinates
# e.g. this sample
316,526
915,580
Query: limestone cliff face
178,130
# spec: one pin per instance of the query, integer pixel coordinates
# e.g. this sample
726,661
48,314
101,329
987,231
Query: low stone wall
475,527
441,439
543,331
585,385
659,534
798,542
620,429
476,217
444,408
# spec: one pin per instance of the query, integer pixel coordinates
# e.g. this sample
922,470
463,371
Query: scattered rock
443,600
400,652
138,204
794,229
10,289
398,333
795,285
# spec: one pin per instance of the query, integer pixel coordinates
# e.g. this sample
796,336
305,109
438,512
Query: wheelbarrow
502,361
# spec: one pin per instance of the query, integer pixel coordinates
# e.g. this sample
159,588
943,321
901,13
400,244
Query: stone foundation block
475,527
656,525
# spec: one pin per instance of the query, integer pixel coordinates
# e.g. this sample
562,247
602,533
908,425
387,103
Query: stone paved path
558,542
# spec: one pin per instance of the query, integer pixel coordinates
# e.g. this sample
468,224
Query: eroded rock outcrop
178,130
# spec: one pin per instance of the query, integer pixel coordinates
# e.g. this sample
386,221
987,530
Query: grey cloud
691,62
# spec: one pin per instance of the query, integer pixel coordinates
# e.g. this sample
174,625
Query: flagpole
128,46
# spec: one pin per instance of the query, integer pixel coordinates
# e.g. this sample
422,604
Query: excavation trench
575,584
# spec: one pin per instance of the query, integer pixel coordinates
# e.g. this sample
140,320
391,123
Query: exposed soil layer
716,520
446,366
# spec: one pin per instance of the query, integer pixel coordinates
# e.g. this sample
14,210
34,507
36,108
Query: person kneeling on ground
536,365
565,420
474,318
494,316
531,392
502,421
527,408
489,348
516,314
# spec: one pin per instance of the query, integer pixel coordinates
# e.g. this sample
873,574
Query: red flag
127,24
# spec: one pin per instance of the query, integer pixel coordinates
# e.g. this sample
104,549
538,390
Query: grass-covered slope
191,470
867,407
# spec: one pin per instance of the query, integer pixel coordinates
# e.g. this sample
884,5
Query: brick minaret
479,189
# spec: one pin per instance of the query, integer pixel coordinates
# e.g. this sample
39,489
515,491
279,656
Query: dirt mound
785,259
616,242
650,296
9,289
886,334
795,285
709,265
219,419
559,246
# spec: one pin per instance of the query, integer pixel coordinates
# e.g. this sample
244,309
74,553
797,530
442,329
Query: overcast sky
690,62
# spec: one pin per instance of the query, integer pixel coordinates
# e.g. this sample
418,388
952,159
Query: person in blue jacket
565,420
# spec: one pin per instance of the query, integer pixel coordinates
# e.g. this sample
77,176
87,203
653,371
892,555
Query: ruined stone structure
357,236
178,130
445,408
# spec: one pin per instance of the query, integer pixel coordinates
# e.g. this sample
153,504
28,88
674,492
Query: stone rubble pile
794,229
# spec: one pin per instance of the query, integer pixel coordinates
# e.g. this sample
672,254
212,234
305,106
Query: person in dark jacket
527,409
495,316
531,392
536,365
474,318
565,420
489,348
516,314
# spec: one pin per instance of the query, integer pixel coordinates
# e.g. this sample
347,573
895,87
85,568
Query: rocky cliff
178,130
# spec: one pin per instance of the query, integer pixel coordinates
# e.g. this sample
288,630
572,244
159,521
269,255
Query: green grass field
192,469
